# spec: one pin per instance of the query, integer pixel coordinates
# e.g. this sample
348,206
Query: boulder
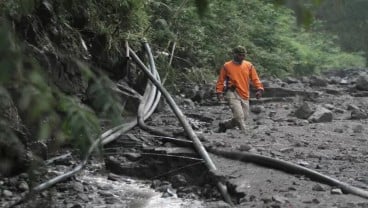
321,115
304,111
362,82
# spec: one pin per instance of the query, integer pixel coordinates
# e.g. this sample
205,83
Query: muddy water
130,193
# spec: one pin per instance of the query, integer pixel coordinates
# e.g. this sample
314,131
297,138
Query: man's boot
222,127
225,125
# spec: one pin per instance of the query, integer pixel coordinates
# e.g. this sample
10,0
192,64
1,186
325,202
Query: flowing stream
129,193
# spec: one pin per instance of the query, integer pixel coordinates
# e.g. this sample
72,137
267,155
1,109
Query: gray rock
352,107
279,199
74,206
257,109
304,111
7,193
217,204
83,197
358,114
321,115
23,186
318,81
78,186
179,180
336,191
344,82
245,147
105,194
318,187
358,129
132,156
362,82
339,130
287,150
329,106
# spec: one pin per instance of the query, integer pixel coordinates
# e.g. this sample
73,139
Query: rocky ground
316,122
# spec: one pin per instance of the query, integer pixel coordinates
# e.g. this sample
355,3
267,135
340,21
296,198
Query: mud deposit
316,122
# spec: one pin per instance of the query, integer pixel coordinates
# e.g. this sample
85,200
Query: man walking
233,84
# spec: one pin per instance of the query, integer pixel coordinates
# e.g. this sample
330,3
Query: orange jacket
232,74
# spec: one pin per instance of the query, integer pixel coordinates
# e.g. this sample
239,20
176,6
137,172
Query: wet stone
279,199
105,194
61,187
358,129
179,180
74,206
155,184
78,187
266,200
257,109
315,201
170,192
7,193
23,176
217,204
287,150
245,147
318,187
339,130
291,188
133,156
105,187
23,186
83,197
336,191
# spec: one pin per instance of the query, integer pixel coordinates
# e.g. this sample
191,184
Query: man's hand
220,97
259,94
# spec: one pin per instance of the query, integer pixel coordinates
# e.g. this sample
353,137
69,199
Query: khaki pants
239,108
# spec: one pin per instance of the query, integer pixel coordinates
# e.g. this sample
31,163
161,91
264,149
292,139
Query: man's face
238,57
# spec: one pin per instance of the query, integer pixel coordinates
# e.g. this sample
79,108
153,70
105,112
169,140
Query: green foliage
105,101
320,54
202,6
80,123
49,112
275,43
17,7
348,20
9,55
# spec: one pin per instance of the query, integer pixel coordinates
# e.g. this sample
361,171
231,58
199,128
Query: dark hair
239,50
